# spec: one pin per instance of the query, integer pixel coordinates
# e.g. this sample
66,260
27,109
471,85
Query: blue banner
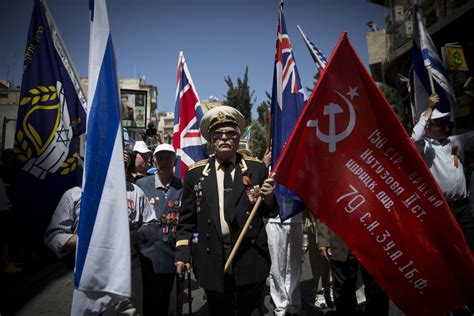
51,117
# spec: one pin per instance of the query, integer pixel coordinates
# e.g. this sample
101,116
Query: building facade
139,108
9,99
449,23
165,127
138,104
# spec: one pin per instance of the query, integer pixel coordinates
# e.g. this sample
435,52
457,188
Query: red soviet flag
355,167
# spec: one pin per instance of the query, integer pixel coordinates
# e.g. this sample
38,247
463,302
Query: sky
219,38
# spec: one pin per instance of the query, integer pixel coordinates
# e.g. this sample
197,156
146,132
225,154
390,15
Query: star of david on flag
51,117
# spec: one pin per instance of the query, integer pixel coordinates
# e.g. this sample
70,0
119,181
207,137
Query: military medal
152,201
252,193
198,194
246,180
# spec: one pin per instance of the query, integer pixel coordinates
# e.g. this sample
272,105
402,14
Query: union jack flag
190,146
288,99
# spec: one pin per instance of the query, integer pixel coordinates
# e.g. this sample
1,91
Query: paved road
50,293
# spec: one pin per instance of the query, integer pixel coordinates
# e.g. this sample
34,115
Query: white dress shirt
438,156
220,189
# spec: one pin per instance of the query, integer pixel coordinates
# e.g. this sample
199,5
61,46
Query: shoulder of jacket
200,163
247,158
145,180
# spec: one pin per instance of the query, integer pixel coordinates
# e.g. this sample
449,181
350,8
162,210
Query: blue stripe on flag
424,50
102,129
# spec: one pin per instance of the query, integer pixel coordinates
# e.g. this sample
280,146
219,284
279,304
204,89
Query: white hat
437,114
164,147
219,115
141,147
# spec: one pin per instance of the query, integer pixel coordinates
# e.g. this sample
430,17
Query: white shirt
64,222
438,156
220,189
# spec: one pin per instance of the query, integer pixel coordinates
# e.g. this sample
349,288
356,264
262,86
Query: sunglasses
228,134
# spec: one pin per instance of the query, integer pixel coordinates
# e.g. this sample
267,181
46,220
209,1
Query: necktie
227,186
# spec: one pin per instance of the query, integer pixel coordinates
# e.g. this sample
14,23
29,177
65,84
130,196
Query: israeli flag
103,260
425,59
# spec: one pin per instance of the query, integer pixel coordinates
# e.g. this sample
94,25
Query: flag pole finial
282,3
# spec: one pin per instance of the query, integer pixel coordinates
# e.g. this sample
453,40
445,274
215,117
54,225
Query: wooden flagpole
242,234
430,76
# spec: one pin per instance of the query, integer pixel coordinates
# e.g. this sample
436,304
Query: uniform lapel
237,190
209,191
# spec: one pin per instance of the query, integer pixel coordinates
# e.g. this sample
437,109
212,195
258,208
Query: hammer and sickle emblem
331,110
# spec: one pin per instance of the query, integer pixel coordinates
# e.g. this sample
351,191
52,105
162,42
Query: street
53,295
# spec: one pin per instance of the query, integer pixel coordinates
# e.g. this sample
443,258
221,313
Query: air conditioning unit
397,13
406,29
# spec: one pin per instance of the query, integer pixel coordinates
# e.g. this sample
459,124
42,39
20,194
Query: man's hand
126,157
325,252
70,244
266,191
433,101
182,267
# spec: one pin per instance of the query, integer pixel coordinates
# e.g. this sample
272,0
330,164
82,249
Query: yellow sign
454,58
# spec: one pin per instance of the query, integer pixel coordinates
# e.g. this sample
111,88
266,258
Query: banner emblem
50,145
331,110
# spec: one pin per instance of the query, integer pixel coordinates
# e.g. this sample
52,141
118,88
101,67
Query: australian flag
187,141
288,99
51,117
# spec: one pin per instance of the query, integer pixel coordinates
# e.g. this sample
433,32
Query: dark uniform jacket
161,249
199,213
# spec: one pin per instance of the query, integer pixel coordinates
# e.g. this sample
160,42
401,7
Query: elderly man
61,235
444,155
219,194
140,161
164,194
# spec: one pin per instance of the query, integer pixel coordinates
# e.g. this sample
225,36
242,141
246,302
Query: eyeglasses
228,134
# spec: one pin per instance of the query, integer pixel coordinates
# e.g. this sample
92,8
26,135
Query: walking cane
179,287
190,298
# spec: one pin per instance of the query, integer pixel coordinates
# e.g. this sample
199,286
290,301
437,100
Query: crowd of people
177,226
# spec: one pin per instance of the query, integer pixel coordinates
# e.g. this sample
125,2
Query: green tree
316,78
258,139
263,111
239,96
